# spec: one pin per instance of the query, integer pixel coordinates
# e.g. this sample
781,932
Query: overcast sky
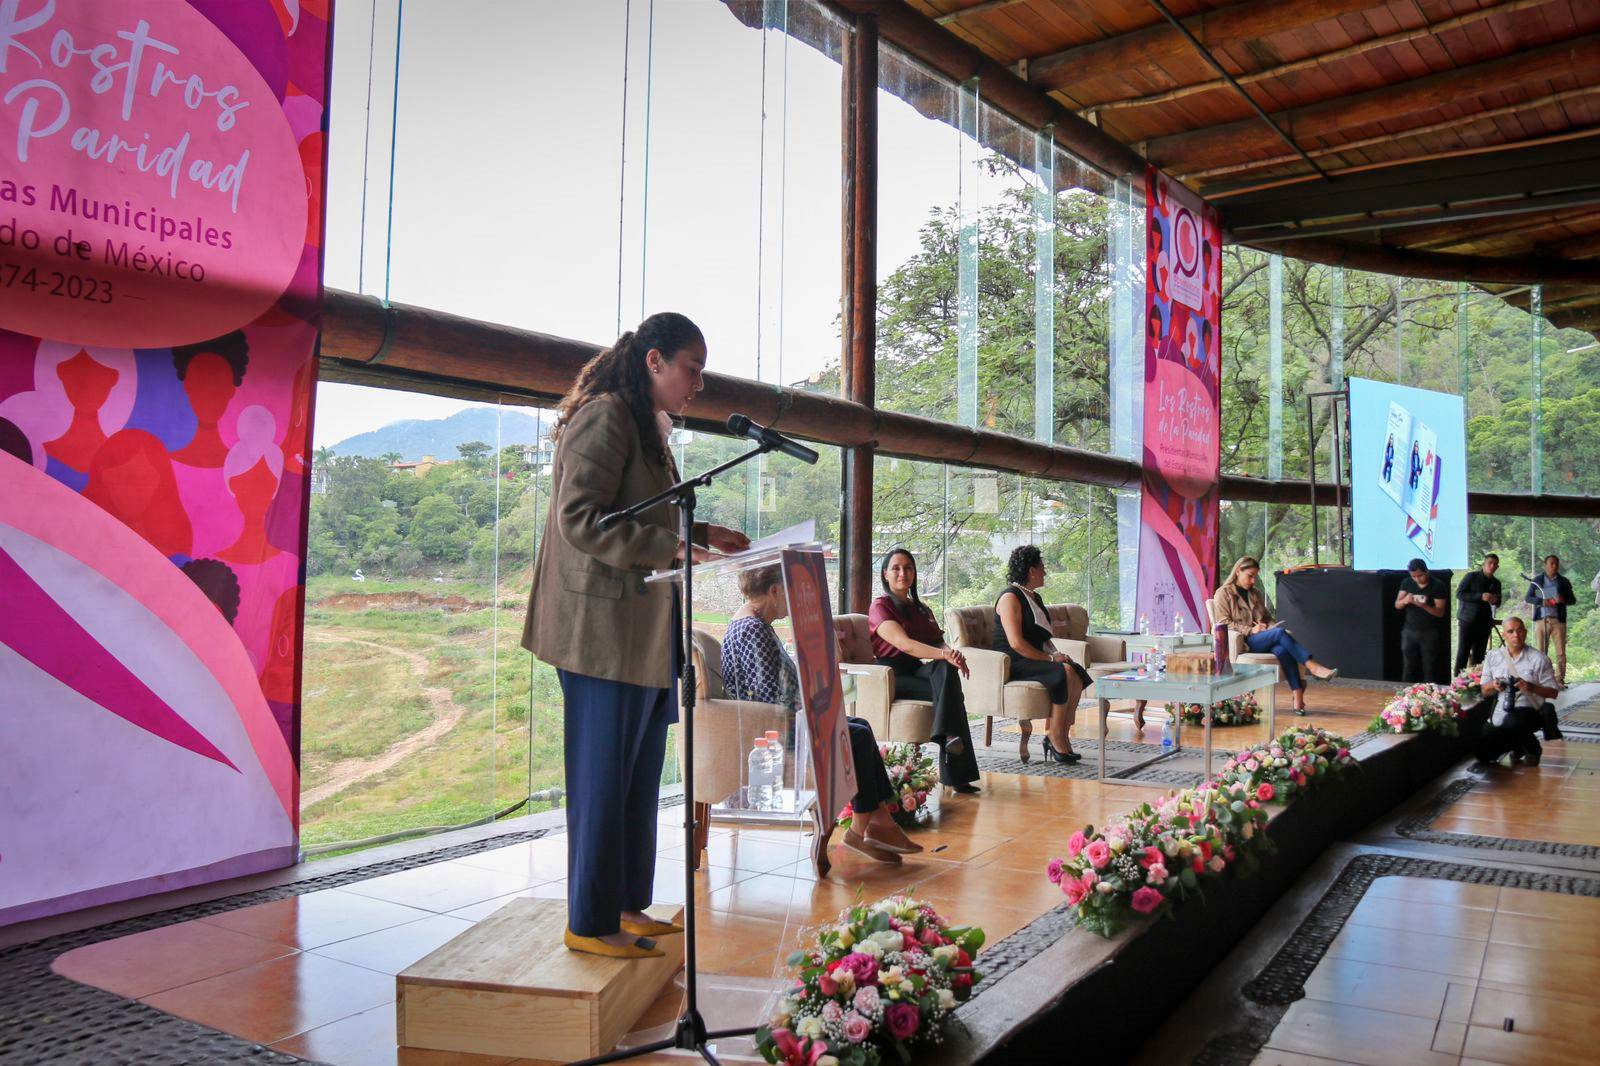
509,197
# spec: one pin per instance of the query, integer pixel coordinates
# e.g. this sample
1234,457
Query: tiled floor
1559,800
313,975
1478,974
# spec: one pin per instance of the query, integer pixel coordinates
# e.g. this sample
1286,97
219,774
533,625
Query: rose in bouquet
913,777
1420,708
1467,686
1281,769
879,982
1240,710
1156,855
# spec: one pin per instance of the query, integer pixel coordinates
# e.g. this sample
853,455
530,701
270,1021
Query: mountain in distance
440,437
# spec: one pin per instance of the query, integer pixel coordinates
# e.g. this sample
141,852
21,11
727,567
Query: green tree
439,529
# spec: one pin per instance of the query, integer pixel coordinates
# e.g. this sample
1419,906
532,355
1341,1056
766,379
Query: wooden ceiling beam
1437,238
1375,224
982,8
1437,266
1573,248
1197,149
1161,41
1545,169
932,44
1504,7
1396,136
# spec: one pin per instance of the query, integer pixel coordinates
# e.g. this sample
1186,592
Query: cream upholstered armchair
1099,653
892,720
725,731
990,690
1236,648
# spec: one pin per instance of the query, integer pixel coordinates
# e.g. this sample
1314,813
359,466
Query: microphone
741,426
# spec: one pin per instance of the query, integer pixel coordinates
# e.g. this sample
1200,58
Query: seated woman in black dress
906,639
1022,631
755,667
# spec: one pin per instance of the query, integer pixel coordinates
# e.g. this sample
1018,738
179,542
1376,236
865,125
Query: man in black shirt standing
1422,597
1476,598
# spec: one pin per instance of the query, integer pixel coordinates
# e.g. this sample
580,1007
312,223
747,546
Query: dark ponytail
621,370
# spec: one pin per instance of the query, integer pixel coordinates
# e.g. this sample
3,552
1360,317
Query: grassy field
384,661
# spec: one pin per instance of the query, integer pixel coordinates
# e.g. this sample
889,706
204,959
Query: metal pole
1311,468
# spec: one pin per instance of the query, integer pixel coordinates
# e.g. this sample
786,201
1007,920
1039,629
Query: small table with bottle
1155,684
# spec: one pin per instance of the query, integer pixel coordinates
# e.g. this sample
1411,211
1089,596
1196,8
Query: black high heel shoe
1052,755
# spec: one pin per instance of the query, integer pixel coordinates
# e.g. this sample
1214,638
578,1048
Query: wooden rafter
1154,44
1426,238
1438,266
976,9
1196,149
1396,136
1505,7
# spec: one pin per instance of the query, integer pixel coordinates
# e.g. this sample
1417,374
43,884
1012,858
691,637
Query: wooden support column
860,317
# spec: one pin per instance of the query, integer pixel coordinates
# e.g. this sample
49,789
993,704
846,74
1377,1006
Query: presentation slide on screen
1408,451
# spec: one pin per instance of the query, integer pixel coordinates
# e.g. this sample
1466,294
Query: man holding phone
1423,598
1476,598
1520,679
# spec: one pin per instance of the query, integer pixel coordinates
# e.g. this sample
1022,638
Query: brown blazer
1225,607
590,611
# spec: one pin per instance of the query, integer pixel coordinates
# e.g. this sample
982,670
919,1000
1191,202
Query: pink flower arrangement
877,984
1240,710
913,777
1279,770
1157,855
1429,708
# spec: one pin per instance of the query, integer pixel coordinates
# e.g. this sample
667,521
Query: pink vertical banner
1182,406
161,187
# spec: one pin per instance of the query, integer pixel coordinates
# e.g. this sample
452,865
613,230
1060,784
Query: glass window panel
919,157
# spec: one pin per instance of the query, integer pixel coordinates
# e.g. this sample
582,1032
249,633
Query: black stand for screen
691,1033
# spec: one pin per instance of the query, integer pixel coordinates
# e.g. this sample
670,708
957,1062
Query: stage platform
304,962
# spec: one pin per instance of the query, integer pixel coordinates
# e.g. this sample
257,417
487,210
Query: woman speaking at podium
612,637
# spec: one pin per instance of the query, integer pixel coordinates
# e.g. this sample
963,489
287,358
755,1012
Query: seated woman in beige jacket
1242,607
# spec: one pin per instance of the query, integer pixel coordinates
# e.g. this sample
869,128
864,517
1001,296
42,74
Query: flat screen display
1408,493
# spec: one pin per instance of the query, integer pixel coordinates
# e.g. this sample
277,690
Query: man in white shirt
1520,679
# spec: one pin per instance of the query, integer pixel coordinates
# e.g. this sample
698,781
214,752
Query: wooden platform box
508,986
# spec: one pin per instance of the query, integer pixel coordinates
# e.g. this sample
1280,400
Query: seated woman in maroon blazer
906,638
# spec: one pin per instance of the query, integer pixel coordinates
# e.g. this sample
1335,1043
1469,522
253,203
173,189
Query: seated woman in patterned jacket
755,667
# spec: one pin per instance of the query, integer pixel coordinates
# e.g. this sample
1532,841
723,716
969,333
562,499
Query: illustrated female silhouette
252,470
1416,465
131,478
211,372
1388,458
87,384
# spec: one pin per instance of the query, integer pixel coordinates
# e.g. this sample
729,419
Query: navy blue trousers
1291,654
616,740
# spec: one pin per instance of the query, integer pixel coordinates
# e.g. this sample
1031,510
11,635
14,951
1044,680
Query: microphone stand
691,1033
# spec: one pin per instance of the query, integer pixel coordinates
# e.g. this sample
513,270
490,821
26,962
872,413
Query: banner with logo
161,181
1182,407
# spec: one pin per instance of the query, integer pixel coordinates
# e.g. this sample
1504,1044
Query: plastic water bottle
758,782
1166,736
1144,625
1155,661
1177,624
775,753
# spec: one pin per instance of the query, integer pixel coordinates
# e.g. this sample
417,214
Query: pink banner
1182,406
161,188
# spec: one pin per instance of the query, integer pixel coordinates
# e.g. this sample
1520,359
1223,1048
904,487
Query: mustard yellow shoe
593,945
651,928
